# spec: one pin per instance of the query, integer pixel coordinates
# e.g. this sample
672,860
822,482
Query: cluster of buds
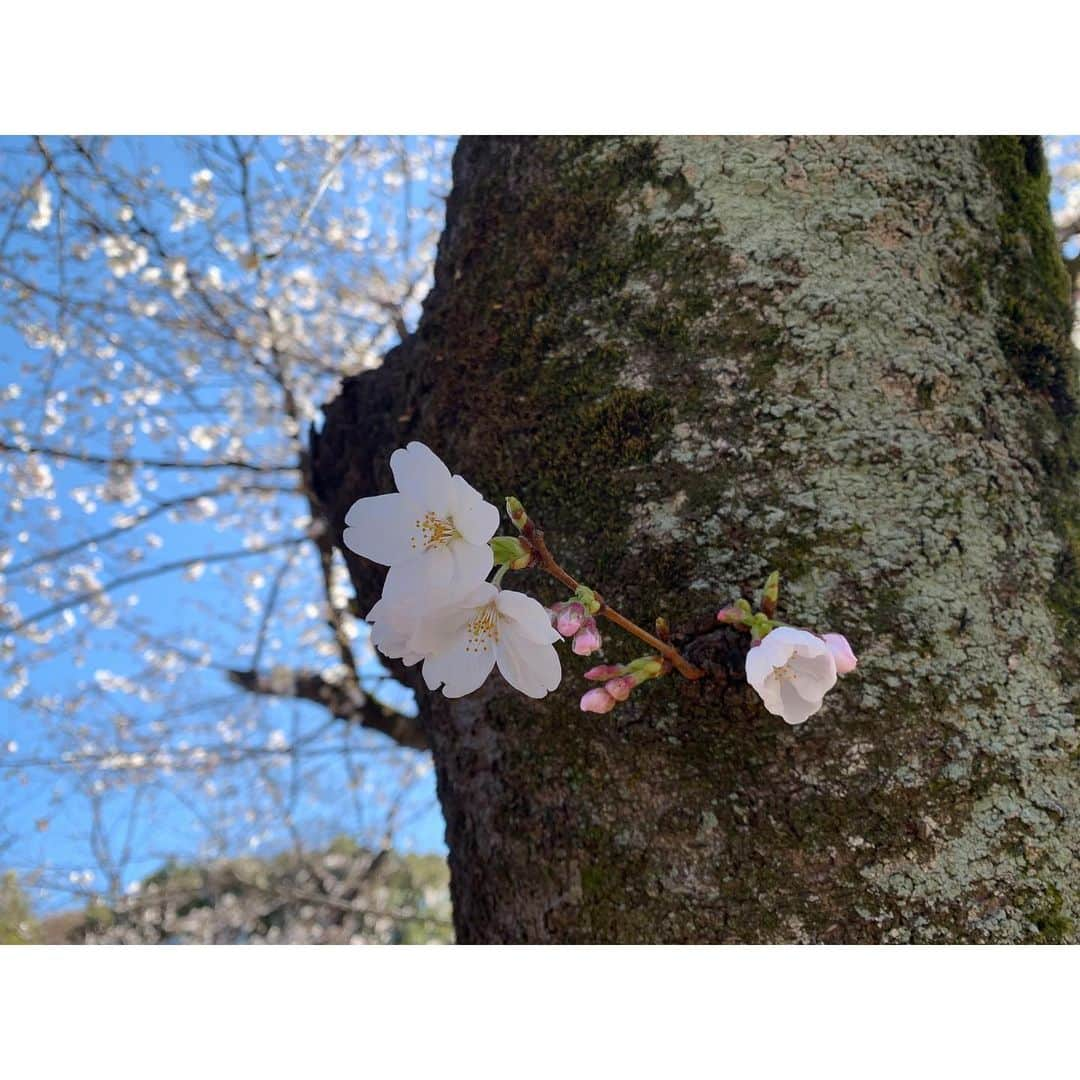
619,680
575,619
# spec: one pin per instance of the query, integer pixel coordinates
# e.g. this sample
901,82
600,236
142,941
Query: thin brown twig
548,564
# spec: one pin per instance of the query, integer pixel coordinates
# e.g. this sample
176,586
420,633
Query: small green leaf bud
770,595
588,599
512,551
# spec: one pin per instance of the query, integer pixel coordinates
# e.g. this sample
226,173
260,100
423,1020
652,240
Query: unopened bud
620,687
597,700
587,639
514,552
517,513
568,617
842,653
731,615
770,594
645,668
605,671
588,598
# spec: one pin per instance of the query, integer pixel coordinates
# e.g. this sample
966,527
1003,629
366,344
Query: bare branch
347,704
150,463
151,571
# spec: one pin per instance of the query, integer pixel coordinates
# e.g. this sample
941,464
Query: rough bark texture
697,359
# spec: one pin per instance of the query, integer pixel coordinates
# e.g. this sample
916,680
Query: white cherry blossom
393,624
433,532
791,670
463,640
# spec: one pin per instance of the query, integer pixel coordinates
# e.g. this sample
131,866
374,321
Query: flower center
436,531
784,672
482,629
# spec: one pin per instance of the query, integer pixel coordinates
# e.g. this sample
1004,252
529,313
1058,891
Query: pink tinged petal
597,700
532,668
463,666
794,708
619,688
421,476
529,617
587,639
474,518
842,653
814,676
384,529
472,563
605,671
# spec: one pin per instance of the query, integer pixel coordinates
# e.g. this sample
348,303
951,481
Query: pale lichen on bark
885,464
697,360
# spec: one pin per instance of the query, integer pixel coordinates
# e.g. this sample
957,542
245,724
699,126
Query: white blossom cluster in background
178,650
1063,154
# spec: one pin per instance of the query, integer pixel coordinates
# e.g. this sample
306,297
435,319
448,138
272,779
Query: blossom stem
546,562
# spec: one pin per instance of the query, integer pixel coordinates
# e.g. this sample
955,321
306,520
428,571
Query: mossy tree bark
695,360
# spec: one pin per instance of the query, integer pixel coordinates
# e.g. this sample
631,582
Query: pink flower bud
620,688
597,700
841,651
569,617
587,639
604,671
731,614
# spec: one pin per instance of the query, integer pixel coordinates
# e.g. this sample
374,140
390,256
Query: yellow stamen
784,672
436,531
482,629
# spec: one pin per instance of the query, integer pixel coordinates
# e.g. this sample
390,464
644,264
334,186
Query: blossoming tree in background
183,671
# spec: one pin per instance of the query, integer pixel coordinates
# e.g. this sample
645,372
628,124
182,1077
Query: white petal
463,668
815,675
769,692
424,581
796,709
527,666
475,519
389,641
421,476
760,661
472,563
806,643
384,529
529,616
439,629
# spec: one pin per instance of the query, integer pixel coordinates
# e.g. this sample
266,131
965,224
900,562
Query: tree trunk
695,360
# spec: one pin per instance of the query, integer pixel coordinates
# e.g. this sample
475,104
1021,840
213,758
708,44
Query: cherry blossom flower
791,670
462,641
433,532
393,624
